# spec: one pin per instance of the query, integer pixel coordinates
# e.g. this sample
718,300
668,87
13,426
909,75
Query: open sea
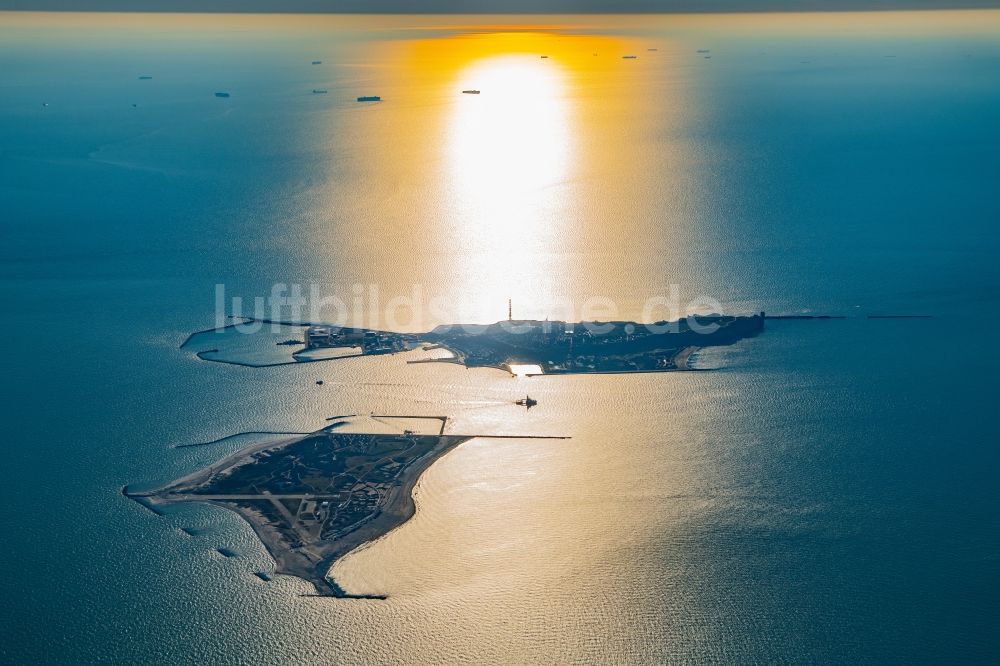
827,494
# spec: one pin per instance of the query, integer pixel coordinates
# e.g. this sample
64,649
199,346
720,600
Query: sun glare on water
497,137
509,143
525,369
508,155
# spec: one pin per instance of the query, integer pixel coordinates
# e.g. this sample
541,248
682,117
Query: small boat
545,56
527,401
629,57
652,49
317,62
369,98
318,91
470,92
145,78
319,382
222,94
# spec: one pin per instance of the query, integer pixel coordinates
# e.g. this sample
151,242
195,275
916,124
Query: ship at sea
527,401
369,98
470,92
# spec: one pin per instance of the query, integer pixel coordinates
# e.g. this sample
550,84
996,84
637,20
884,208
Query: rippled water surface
827,493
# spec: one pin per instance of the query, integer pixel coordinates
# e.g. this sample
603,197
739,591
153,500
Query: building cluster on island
369,341
328,483
556,347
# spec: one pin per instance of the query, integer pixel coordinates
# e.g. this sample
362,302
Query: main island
545,347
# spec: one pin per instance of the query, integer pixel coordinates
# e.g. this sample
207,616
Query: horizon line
841,9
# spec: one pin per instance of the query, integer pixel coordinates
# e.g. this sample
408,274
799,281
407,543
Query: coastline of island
313,498
553,347
306,530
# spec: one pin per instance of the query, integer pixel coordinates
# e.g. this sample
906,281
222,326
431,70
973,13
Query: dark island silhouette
517,346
